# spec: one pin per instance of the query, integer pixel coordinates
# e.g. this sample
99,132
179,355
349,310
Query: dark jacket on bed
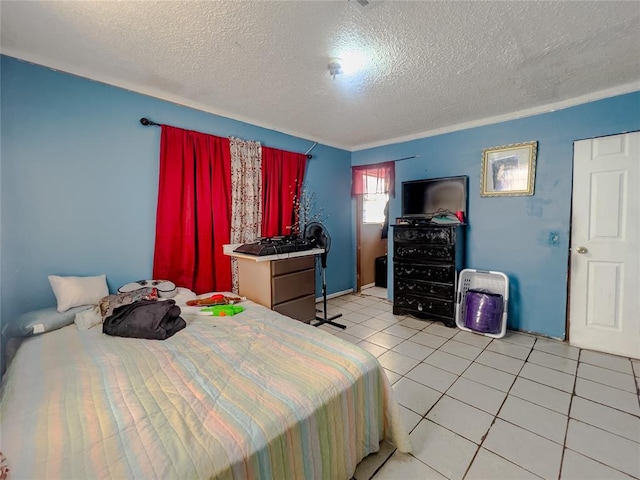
145,319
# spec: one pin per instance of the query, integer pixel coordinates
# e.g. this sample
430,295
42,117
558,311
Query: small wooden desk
283,282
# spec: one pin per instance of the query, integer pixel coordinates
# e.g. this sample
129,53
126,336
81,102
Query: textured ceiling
430,66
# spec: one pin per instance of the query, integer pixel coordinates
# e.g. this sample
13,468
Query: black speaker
381,271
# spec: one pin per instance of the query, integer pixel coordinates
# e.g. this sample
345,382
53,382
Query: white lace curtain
246,195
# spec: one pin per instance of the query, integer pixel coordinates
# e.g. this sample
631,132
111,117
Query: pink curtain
385,174
194,211
282,177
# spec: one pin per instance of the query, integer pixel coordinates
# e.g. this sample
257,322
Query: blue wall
79,182
512,234
79,185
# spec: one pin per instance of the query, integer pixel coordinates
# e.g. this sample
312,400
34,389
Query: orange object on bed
216,299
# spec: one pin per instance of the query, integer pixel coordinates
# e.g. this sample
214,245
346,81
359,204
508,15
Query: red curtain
194,200
282,177
385,173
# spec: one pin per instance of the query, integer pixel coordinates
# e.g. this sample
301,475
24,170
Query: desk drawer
289,265
303,309
292,285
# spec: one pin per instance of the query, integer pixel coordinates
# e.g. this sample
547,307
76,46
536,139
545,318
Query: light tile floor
481,408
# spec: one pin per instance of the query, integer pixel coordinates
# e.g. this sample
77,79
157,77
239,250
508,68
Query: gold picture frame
508,170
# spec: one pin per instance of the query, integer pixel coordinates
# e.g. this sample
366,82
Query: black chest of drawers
426,263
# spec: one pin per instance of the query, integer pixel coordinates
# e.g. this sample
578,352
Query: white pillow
86,319
40,321
75,291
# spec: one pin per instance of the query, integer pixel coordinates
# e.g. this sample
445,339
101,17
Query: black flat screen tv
425,198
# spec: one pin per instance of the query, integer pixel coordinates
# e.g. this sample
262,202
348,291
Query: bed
254,395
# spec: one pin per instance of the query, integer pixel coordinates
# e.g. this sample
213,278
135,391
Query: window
373,204
376,184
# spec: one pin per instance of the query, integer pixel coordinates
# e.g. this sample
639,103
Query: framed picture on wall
509,170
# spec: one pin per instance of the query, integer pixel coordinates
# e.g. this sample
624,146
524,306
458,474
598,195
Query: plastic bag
483,311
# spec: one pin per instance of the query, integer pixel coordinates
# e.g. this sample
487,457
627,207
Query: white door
604,309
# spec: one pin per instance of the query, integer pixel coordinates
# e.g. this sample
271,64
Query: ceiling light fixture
335,67
353,60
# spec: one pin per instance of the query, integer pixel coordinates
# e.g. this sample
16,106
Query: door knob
581,250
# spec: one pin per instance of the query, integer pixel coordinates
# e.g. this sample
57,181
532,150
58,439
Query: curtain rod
148,123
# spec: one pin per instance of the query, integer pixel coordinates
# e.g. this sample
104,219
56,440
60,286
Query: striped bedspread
256,395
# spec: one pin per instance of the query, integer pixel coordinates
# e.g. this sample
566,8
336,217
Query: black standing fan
316,234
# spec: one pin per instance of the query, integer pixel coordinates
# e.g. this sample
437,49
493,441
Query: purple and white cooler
483,311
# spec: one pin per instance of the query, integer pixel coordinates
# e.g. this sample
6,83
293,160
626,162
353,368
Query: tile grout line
532,348
573,394
442,394
517,375
493,421
495,418
566,429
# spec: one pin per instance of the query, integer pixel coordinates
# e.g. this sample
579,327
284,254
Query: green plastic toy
221,310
